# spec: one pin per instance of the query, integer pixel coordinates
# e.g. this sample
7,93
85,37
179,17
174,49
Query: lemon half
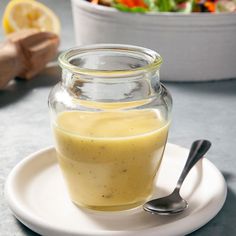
25,14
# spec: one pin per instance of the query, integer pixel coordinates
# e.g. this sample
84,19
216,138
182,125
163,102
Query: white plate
37,196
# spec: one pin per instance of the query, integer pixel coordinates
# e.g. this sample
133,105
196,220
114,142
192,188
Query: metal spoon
174,203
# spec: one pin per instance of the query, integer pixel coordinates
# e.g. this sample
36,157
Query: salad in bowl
196,38
185,6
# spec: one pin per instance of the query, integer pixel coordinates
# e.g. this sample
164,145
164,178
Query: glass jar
110,117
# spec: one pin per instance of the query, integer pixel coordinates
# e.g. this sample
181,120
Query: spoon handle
197,151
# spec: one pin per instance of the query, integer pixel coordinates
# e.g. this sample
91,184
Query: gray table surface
201,110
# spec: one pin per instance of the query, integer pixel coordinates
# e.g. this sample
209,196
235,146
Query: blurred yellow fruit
25,14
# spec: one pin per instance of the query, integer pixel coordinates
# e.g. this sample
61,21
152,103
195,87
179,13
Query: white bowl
194,47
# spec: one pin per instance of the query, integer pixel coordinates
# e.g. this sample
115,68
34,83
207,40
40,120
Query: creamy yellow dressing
110,159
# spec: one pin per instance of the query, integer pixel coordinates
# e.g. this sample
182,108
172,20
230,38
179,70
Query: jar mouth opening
110,60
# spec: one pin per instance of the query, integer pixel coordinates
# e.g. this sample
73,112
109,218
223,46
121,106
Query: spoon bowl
170,204
174,203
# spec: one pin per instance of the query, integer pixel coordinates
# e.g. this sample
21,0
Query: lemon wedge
25,14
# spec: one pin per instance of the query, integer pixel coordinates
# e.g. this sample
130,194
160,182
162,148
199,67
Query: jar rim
153,64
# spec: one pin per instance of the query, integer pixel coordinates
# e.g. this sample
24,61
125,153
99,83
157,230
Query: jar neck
112,89
111,72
